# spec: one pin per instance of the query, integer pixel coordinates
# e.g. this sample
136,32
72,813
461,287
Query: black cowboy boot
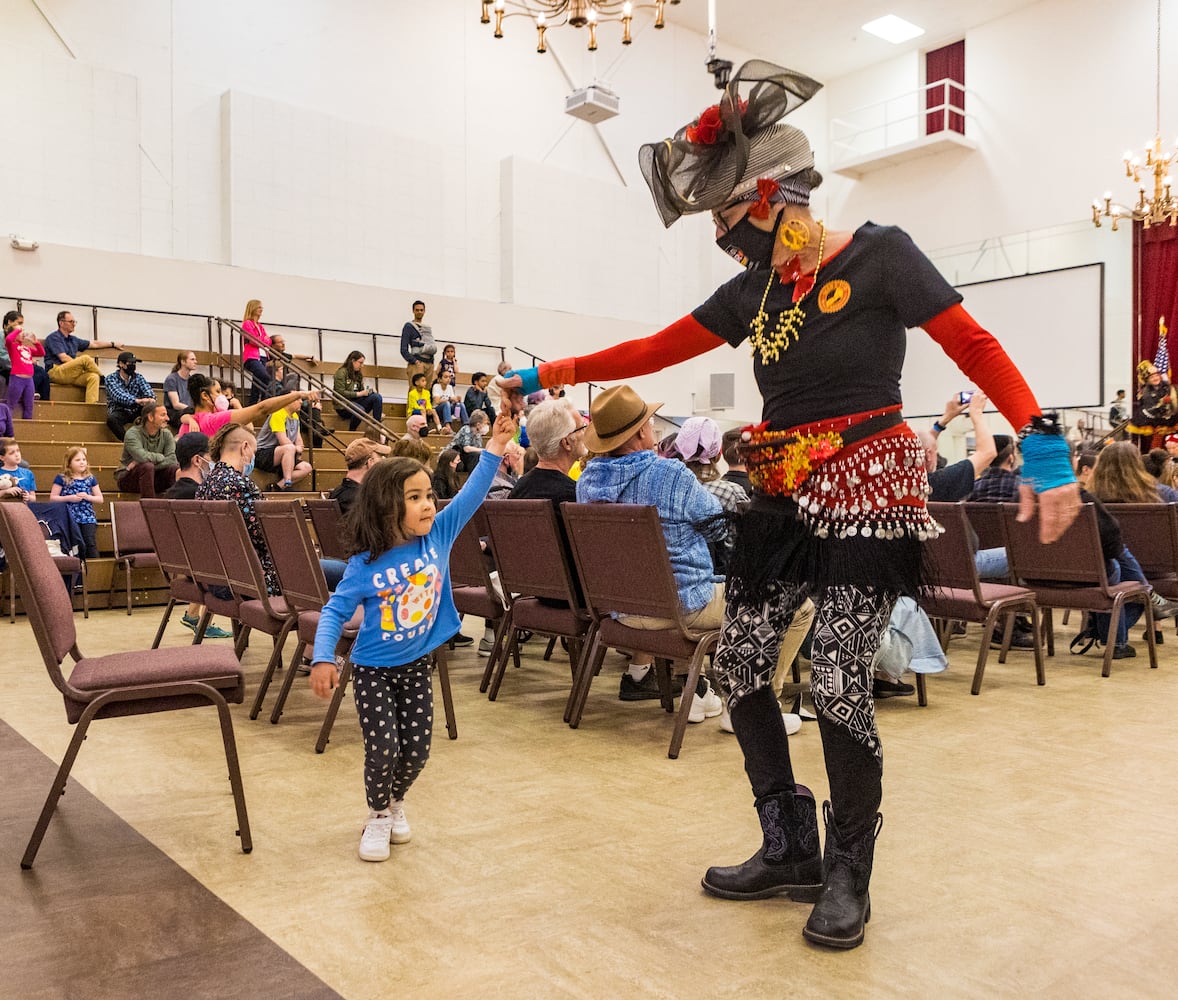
843,909
790,858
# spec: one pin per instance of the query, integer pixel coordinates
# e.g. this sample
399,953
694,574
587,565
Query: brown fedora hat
616,416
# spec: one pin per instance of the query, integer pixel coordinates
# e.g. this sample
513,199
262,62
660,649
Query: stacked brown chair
140,682
203,556
173,561
132,542
328,522
69,567
1150,532
533,562
956,593
623,566
471,587
1070,573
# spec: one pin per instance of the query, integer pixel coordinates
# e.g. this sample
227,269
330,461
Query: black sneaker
1123,651
881,688
646,689
460,640
1018,639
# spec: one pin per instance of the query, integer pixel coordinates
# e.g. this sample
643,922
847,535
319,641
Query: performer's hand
511,393
324,677
503,431
1058,508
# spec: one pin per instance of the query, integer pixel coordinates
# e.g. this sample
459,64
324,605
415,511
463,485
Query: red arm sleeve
682,340
982,360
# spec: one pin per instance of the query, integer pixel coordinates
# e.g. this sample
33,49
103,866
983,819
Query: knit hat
698,440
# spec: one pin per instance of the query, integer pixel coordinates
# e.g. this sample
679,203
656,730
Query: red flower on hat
709,126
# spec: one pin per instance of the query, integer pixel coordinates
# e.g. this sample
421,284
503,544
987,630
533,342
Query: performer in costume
838,511
1155,410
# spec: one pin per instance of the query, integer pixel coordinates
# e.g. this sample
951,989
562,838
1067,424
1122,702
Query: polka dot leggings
395,706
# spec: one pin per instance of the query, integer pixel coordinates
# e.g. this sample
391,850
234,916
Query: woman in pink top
254,338
211,412
22,348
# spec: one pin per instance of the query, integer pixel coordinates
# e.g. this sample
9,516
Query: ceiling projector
593,104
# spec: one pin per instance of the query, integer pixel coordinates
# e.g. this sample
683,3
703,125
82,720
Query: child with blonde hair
77,486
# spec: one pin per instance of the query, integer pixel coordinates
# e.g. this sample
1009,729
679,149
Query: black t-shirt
182,489
545,484
345,494
952,483
850,351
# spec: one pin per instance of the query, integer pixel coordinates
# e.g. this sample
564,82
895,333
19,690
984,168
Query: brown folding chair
957,593
533,561
1070,573
329,524
203,556
471,587
133,546
622,563
173,561
68,566
118,684
1150,532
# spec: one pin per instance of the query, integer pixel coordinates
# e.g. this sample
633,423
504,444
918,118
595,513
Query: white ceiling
825,40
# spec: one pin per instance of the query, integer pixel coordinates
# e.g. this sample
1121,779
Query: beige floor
1028,844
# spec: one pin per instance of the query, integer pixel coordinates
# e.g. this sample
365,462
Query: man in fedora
627,470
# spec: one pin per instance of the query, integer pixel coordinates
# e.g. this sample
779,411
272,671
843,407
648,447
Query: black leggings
395,706
848,622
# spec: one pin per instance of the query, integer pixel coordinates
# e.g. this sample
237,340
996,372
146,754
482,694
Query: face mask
249,467
747,245
130,368
221,404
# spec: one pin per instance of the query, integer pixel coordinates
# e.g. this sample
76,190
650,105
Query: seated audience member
211,409
280,449
127,392
1159,463
446,403
232,450
469,440
1085,463
955,482
628,471
557,433
65,360
730,452
414,448
1120,477
420,400
7,428
1000,482
476,397
446,480
23,346
77,486
349,388
508,473
360,456
494,391
176,397
24,483
148,465
415,427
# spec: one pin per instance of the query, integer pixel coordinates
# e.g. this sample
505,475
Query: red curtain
944,71
1155,290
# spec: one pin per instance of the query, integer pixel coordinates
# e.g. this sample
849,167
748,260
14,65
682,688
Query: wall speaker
722,391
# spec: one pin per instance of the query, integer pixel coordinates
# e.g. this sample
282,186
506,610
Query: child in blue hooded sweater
400,573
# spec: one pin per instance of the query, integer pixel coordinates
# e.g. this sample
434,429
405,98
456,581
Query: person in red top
839,487
22,346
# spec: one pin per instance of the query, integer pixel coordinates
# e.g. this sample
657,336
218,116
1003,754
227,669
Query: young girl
399,571
449,363
76,486
447,405
22,348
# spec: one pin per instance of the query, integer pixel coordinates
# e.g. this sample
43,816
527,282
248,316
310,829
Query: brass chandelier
578,13
1160,205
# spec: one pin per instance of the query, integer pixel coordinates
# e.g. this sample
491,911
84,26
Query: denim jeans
1125,567
992,564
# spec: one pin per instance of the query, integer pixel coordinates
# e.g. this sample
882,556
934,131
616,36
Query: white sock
488,634
638,670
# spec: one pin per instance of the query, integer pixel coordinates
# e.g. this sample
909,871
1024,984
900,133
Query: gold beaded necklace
789,323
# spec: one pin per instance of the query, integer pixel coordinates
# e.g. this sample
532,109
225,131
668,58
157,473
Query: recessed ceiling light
893,29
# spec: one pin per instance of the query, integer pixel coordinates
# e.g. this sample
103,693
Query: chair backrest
951,555
129,527
986,521
1150,532
238,556
200,547
160,519
292,550
50,612
531,553
329,528
1075,558
621,557
468,564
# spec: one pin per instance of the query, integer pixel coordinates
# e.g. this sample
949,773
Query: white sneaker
486,647
793,723
374,842
706,706
401,833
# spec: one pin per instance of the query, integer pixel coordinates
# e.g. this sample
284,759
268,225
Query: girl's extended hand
503,431
324,678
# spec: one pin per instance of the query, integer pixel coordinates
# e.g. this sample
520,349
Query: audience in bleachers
418,347
22,346
41,381
66,360
446,479
476,397
1159,463
415,427
508,473
280,449
76,485
254,342
176,397
20,483
148,464
469,440
445,400
415,448
1120,477
211,409
420,400
557,433
449,363
349,386
127,392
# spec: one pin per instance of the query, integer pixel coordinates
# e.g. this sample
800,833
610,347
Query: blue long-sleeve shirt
405,592
122,395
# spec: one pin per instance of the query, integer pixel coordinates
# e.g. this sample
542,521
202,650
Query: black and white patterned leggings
395,706
848,622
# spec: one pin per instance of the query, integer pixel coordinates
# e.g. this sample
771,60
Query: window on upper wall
944,100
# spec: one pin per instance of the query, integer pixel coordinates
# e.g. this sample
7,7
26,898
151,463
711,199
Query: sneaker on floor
881,688
486,647
374,842
216,632
461,640
400,832
1018,640
1123,651
1162,608
706,705
191,623
646,689
806,715
793,723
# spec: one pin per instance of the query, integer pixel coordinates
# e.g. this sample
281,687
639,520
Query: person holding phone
955,482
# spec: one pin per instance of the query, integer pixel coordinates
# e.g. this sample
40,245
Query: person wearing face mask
232,450
211,410
838,509
126,394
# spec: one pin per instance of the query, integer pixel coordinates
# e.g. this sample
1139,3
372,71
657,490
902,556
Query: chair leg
1110,640
584,654
271,666
57,789
497,650
1007,635
447,696
242,640
159,635
580,692
1049,631
198,635
243,822
685,700
984,648
1040,671
551,646
287,683
512,649
85,592
128,568
333,708
921,691
1151,635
